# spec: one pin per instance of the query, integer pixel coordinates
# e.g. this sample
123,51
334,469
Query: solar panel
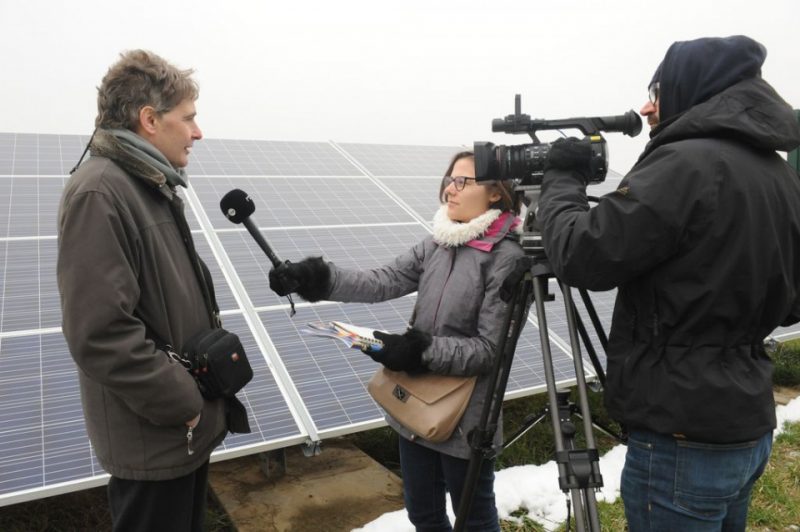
299,202
29,296
39,155
385,160
421,194
348,247
358,205
255,157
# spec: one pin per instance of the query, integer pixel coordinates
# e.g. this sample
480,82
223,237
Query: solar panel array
358,205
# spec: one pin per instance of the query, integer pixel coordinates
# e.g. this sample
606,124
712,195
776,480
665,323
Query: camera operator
130,284
702,240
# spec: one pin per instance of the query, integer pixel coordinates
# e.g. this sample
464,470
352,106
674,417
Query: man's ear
148,117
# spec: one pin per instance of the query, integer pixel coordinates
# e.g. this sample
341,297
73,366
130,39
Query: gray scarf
145,152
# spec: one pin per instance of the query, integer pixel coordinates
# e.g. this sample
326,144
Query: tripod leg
481,437
583,400
556,416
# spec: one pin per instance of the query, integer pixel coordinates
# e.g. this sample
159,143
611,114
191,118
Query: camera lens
523,161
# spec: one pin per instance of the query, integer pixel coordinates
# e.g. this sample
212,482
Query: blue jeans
671,484
427,474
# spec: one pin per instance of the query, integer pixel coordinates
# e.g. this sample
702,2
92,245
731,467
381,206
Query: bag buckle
400,393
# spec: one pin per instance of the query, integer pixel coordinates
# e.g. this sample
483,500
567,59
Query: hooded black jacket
702,239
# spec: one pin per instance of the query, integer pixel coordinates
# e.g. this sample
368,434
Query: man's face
650,109
174,133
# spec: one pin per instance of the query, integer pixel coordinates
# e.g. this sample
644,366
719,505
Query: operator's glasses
459,181
653,91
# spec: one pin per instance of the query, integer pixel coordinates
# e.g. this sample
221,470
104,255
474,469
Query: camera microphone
237,207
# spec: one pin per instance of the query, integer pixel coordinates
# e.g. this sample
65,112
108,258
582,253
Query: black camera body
525,162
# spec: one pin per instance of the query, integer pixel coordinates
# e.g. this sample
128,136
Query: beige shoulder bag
427,404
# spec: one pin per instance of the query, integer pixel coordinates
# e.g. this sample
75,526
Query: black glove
574,155
402,352
310,278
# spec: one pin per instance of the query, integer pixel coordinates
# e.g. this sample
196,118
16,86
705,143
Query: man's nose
647,109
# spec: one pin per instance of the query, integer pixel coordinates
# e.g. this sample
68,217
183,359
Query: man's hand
401,352
573,155
310,278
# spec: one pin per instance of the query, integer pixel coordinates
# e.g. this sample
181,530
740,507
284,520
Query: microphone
237,207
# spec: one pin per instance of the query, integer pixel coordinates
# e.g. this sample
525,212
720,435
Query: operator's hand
401,352
310,278
573,155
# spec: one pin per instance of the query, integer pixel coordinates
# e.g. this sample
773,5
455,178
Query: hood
748,110
694,71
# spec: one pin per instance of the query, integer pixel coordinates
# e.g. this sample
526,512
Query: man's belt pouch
218,362
427,404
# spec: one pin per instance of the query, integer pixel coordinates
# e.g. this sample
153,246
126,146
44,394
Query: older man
131,285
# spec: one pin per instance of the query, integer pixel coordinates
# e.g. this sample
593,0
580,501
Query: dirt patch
340,489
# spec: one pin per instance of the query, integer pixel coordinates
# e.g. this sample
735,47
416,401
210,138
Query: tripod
578,469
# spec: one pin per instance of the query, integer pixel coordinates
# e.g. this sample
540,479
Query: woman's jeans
427,474
671,484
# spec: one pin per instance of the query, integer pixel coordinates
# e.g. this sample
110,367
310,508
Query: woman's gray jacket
458,303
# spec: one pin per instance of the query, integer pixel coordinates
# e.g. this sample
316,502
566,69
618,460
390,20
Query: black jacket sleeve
630,231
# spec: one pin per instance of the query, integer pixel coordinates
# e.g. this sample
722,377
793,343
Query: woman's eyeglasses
460,181
652,92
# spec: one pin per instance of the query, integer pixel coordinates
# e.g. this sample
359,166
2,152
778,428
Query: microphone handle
256,234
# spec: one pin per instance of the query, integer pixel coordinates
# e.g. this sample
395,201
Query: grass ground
775,505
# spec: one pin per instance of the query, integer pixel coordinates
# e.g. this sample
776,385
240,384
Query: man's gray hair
138,79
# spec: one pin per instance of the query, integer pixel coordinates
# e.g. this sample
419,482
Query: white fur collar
451,234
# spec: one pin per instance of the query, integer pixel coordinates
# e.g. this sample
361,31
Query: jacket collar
482,232
105,144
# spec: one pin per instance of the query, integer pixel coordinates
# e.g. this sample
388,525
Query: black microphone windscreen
237,206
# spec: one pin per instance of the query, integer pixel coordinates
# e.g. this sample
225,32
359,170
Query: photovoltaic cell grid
387,160
43,441
348,247
420,193
38,155
295,201
331,381
269,415
268,158
28,205
28,292
324,372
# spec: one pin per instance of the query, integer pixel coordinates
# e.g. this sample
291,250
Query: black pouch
218,362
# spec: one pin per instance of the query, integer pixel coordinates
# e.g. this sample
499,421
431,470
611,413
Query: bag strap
86,149
199,267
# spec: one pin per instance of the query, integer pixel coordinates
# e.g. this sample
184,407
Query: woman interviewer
457,321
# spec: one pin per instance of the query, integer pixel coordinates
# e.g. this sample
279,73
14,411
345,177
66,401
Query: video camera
525,162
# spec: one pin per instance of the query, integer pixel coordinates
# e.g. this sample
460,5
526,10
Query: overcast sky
412,72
